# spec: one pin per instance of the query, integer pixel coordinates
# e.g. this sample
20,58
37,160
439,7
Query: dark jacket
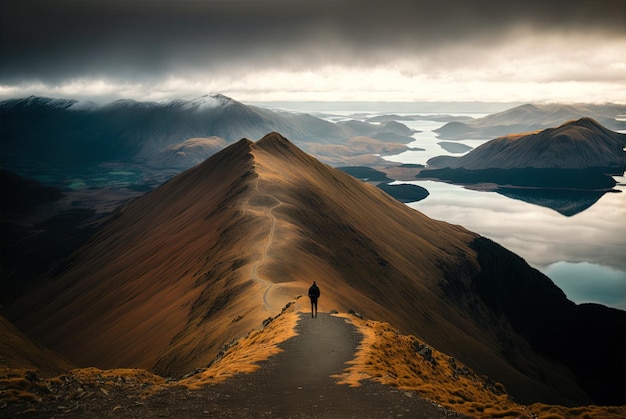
314,292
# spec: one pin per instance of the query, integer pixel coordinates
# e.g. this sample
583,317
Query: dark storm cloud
57,40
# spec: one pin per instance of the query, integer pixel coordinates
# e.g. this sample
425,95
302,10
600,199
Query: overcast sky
361,50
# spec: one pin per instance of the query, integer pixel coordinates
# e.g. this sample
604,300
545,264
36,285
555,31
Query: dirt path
297,383
270,240
268,245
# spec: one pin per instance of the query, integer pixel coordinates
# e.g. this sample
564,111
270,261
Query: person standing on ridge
314,294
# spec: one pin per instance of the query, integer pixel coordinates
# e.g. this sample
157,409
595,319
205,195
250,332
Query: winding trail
268,245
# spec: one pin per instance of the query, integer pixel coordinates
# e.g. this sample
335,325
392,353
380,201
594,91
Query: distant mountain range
69,134
574,161
531,117
387,131
210,254
62,137
580,144
73,133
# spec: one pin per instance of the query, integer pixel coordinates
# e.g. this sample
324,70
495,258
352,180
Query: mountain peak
274,140
236,152
279,147
220,97
585,122
275,143
590,130
210,101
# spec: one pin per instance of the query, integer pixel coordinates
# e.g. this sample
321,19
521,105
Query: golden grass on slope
245,354
519,135
388,357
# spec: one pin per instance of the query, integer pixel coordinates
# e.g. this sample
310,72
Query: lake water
584,254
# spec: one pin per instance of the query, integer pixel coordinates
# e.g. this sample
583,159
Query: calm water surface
591,243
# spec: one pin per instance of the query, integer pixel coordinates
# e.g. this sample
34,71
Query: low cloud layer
268,48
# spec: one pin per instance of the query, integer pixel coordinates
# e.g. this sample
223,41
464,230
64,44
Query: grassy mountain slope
207,256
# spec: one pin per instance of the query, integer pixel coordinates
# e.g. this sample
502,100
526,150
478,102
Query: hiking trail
268,244
297,383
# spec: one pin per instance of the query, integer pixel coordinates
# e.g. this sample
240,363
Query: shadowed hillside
216,250
34,232
17,351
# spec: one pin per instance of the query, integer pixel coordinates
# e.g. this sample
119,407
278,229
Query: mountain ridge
213,252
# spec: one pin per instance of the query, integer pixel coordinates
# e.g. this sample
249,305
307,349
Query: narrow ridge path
297,383
270,239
